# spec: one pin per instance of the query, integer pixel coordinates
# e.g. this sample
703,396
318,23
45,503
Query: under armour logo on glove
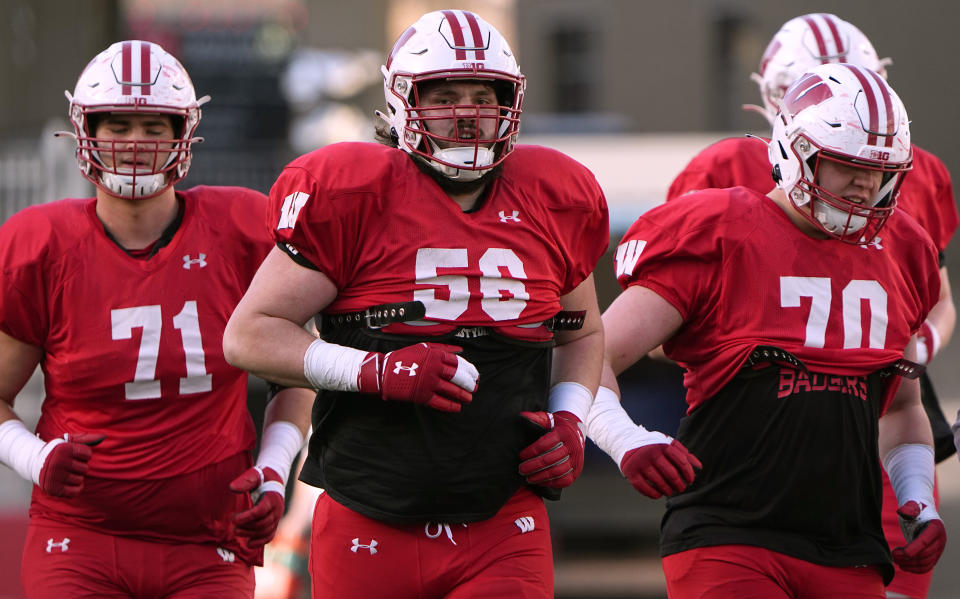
556,458
926,537
410,370
437,377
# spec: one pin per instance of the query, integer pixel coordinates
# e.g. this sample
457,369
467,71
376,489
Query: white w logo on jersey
226,555
291,209
627,256
411,370
525,524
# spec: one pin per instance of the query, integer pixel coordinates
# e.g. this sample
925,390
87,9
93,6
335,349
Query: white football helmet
846,114
452,45
803,43
134,77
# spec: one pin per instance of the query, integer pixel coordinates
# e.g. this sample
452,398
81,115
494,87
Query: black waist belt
381,315
765,354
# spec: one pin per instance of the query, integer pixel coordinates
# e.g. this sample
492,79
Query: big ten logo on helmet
878,155
472,65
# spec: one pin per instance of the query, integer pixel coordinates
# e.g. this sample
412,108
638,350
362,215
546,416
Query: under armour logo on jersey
525,524
200,260
875,242
62,545
226,555
515,217
372,547
411,370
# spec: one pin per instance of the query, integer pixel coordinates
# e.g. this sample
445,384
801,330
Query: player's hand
926,537
65,464
259,523
556,458
431,374
659,466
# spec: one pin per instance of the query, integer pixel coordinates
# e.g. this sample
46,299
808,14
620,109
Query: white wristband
22,450
571,397
279,447
934,339
911,468
331,366
610,427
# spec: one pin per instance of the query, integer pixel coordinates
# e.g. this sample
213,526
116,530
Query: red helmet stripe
477,35
818,35
145,68
768,55
457,32
871,98
841,51
887,107
406,35
127,67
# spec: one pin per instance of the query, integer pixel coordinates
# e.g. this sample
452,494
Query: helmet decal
808,91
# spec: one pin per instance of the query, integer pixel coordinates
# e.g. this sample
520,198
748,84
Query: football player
461,341
141,461
792,313
926,195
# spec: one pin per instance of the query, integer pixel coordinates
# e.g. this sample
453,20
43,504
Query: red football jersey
728,163
926,193
742,274
365,215
133,348
927,196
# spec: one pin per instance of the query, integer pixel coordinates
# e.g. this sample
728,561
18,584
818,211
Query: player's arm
906,449
286,422
937,329
57,466
556,458
637,321
265,336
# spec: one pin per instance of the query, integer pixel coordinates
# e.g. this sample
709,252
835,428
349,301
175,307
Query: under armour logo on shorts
525,524
411,370
62,545
372,547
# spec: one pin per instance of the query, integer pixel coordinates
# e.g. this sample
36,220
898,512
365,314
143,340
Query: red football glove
65,464
556,458
926,537
426,373
259,523
660,468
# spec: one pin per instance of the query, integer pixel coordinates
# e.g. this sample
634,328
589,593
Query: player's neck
793,213
135,224
468,200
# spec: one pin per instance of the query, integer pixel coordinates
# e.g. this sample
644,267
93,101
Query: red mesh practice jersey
728,163
132,348
741,274
926,193
368,218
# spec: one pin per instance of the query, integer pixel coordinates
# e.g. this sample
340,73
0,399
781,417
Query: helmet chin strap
464,156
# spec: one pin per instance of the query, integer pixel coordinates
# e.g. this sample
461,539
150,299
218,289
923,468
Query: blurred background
631,88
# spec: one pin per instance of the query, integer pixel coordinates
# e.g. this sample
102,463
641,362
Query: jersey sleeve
945,206
675,251
587,234
311,222
23,300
